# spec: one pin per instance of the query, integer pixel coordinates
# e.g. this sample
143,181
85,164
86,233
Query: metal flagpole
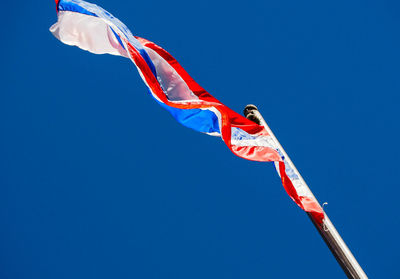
327,230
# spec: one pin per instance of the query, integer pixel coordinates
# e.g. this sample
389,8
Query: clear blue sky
98,181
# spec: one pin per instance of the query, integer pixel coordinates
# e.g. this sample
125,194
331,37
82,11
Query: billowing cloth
91,28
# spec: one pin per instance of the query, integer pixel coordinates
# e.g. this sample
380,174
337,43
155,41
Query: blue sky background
98,181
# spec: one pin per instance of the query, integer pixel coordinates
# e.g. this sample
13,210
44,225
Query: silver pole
327,230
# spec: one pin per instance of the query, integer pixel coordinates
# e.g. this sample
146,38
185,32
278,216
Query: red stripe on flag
256,153
305,203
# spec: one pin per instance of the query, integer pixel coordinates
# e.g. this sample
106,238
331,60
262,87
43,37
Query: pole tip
248,109
249,113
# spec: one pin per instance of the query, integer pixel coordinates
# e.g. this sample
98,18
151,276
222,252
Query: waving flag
92,28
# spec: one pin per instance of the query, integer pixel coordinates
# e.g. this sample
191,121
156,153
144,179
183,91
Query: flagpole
327,230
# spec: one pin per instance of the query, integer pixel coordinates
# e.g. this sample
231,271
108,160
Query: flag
92,28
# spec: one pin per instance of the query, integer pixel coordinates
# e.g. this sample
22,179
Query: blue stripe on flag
118,38
73,6
204,121
146,58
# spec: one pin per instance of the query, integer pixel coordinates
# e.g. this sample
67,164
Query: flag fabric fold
91,28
